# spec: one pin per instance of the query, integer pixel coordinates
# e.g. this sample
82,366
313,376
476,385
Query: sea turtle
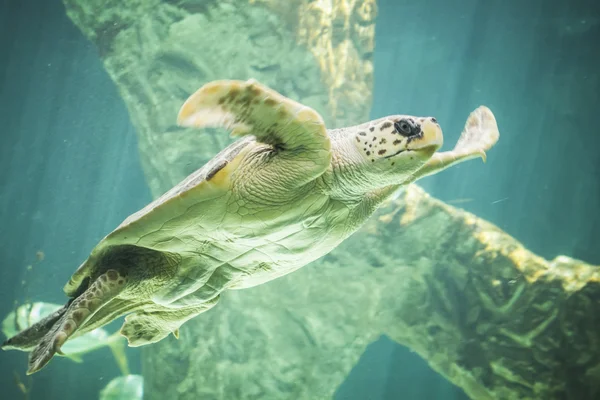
285,194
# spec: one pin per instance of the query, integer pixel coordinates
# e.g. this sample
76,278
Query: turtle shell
147,226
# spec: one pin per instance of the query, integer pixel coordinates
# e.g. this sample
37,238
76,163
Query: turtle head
398,145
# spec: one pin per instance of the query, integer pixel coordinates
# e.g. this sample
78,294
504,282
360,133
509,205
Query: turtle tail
102,290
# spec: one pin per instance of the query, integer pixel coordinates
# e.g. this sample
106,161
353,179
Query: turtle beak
431,139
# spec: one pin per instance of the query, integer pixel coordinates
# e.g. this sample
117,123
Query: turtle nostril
433,120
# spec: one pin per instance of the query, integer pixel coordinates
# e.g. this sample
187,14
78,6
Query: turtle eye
404,127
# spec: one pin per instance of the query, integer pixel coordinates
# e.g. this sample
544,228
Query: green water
70,170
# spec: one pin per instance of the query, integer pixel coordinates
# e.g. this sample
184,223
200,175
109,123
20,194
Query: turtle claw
483,155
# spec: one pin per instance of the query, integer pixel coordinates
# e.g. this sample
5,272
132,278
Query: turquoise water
70,168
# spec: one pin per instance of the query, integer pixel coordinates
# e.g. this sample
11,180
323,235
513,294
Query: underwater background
71,170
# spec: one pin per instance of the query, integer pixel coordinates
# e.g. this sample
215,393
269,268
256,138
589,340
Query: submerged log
490,316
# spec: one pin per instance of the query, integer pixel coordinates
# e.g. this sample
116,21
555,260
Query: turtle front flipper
478,136
250,108
102,290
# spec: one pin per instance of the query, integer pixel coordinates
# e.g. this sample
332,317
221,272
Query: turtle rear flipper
28,338
107,286
142,328
77,283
